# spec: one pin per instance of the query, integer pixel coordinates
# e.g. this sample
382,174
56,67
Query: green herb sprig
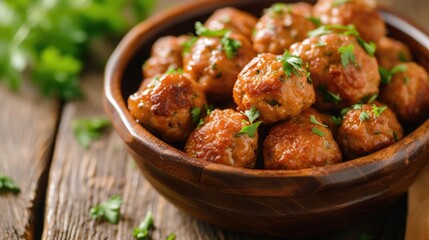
316,130
291,64
8,185
142,232
252,115
50,41
109,210
89,129
347,55
387,75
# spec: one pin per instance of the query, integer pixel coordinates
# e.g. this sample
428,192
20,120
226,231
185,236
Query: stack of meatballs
303,86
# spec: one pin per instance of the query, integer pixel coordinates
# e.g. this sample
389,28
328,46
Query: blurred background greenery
48,40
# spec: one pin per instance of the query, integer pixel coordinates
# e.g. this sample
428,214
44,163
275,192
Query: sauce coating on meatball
208,64
361,13
301,142
367,128
281,26
164,106
166,53
218,140
342,71
407,93
232,19
277,94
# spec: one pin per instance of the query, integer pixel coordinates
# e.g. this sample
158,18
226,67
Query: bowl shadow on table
225,197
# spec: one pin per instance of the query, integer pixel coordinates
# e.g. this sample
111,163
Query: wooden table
60,180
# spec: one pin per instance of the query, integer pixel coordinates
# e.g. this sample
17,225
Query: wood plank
27,128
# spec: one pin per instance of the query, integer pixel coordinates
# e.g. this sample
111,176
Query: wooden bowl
293,203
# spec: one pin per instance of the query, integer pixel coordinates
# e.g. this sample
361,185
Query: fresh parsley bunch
49,39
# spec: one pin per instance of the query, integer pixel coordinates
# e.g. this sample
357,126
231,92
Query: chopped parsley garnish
315,20
309,80
373,98
8,185
386,75
337,3
172,70
317,131
291,64
363,116
321,44
378,110
251,129
357,106
337,120
203,31
172,236
347,55
188,45
344,111
279,8
89,130
328,96
314,121
349,30
230,46
109,210
196,114
142,232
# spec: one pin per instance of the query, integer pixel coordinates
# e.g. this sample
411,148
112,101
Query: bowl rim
385,161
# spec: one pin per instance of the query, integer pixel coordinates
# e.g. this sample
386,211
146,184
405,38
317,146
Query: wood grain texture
27,128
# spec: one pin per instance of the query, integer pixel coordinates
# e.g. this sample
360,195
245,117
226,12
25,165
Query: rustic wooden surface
79,178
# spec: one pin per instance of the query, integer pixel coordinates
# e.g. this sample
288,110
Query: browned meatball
209,65
368,128
280,27
342,72
264,84
391,52
232,19
166,53
362,13
408,93
164,106
301,142
218,140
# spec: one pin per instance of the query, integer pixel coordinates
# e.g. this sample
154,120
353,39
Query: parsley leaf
280,8
386,75
230,46
172,236
337,120
349,30
188,45
317,131
291,64
315,20
347,55
251,129
89,130
337,3
172,70
109,210
203,31
368,47
196,114
328,96
143,230
314,121
363,116
378,110
373,98
7,184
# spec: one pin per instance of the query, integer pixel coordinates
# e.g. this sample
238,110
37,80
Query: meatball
264,84
232,19
367,128
280,27
164,106
407,94
391,52
166,53
209,64
301,142
362,13
218,140
342,72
